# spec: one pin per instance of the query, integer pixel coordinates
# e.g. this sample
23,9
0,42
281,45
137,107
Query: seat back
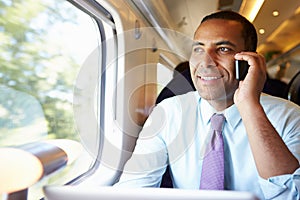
293,89
180,84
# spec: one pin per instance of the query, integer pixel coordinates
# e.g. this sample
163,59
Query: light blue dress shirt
176,132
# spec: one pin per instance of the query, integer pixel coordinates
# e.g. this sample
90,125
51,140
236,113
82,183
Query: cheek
194,61
230,82
229,69
193,71
193,74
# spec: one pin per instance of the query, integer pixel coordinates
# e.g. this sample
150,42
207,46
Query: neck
220,105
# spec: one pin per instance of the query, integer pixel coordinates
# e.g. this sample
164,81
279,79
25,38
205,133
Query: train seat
293,89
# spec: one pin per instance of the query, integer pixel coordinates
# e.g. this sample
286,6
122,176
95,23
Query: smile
209,78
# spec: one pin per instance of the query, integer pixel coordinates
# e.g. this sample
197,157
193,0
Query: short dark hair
248,33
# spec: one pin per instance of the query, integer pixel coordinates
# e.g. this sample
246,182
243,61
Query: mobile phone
241,69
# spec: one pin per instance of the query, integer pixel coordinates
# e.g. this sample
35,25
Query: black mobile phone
241,69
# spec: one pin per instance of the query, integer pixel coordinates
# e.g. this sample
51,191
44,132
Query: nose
207,60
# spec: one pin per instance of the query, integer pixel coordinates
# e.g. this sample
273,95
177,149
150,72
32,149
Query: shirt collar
231,113
207,110
232,116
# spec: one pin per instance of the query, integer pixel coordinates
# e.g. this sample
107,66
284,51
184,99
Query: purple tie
212,177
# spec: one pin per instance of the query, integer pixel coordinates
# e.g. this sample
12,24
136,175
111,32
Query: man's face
216,41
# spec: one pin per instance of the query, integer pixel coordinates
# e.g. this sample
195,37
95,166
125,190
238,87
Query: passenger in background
274,86
260,135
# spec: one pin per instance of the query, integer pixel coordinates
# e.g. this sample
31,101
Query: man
261,133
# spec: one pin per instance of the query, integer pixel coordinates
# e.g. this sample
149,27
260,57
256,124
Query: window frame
98,13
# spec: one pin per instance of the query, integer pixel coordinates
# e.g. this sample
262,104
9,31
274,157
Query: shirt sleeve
150,158
286,121
282,187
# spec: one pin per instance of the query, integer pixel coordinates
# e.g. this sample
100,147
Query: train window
47,46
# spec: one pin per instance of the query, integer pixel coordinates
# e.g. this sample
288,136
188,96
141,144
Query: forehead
220,29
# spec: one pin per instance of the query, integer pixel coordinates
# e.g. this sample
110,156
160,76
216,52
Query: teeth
209,78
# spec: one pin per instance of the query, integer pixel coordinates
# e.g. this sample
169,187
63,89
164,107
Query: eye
197,49
225,50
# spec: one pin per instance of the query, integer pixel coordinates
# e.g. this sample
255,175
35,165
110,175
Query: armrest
22,166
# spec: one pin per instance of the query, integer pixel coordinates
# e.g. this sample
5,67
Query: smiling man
260,134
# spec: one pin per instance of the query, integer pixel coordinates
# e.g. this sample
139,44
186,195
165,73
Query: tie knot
217,121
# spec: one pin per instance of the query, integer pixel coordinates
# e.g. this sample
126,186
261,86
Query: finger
253,59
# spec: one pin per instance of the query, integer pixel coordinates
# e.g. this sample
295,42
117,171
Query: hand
249,90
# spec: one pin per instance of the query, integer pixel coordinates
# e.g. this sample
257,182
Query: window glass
44,45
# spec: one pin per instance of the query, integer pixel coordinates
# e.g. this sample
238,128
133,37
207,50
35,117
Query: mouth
209,78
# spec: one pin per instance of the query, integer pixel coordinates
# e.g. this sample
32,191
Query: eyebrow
226,42
195,43
223,42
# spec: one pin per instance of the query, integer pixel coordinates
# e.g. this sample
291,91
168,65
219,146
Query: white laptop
116,193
